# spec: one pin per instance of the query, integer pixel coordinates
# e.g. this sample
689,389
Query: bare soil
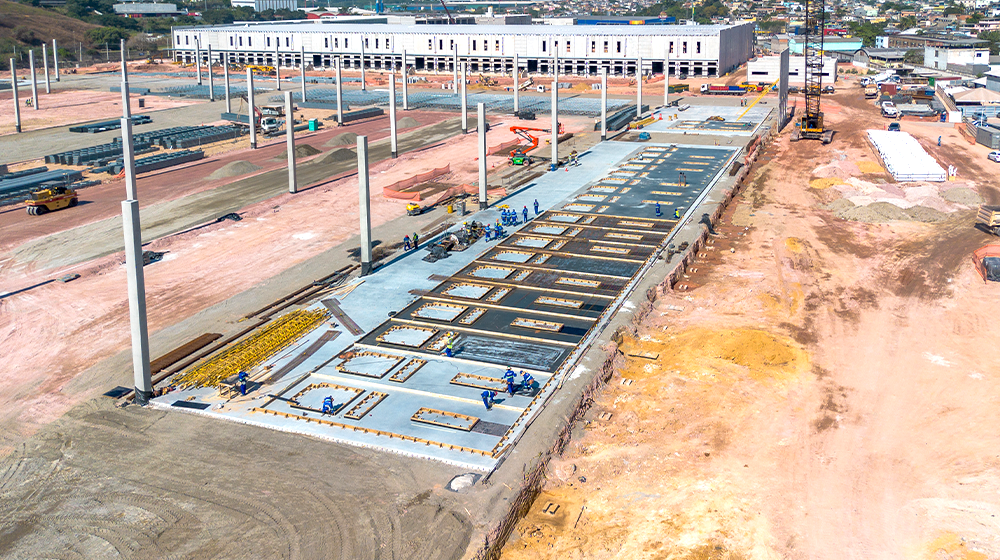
824,388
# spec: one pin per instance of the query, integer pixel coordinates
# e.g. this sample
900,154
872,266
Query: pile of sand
962,195
407,122
841,169
870,167
345,139
883,212
337,156
234,169
301,151
824,183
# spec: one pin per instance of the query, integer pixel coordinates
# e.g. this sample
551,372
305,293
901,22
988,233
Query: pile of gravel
337,156
883,212
345,139
962,195
301,151
234,169
407,122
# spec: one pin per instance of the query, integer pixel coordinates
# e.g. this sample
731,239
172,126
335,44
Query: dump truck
50,199
722,89
871,91
989,216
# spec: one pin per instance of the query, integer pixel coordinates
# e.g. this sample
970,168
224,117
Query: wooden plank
342,318
182,351
297,361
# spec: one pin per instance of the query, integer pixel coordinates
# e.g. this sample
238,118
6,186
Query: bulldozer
51,199
487,81
261,70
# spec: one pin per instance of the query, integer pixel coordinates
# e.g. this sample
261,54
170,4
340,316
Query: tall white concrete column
517,85
364,84
211,78
638,89
392,115
17,102
225,73
406,93
290,141
303,72
45,67
555,127
340,96
463,100
456,68
251,112
55,58
133,255
482,156
34,79
555,60
604,103
277,67
364,206
197,58
666,78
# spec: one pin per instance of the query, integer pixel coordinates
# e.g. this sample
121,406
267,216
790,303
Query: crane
450,19
519,155
811,126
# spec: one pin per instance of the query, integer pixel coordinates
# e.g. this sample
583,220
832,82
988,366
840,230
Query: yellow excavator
51,199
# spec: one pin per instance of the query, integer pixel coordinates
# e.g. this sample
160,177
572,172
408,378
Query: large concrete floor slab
561,275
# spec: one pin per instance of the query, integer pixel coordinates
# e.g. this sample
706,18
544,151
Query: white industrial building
262,5
767,69
698,50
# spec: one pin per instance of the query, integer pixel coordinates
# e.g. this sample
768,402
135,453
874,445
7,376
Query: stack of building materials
100,154
153,163
904,157
15,188
109,125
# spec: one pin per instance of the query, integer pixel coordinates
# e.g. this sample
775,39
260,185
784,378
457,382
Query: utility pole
17,102
517,85
463,101
211,79
133,255
225,73
45,67
554,164
34,79
290,140
482,156
364,207
604,103
303,72
394,149
55,58
638,90
340,96
252,112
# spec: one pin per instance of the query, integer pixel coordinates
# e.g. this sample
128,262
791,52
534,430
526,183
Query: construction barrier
394,190
504,148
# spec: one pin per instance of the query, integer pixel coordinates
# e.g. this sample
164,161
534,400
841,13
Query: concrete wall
768,69
939,57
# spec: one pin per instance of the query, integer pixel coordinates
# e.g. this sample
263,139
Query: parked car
893,127
793,89
994,156
828,89
889,110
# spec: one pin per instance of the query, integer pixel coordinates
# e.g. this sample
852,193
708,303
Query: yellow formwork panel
254,350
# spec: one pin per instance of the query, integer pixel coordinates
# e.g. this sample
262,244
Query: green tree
867,31
914,56
102,35
994,39
908,22
217,17
953,9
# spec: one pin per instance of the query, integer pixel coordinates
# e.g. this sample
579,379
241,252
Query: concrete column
392,115
555,128
197,57
456,68
290,141
638,89
555,60
364,85
34,80
133,256
666,78
604,103
277,67
211,78
17,102
482,156
406,94
517,85
252,113
463,100
225,73
340,96
303,71
45,68
55,58
364,206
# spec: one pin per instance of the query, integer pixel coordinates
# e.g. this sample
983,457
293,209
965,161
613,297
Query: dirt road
825,390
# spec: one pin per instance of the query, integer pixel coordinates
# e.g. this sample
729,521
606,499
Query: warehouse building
767,69
698,50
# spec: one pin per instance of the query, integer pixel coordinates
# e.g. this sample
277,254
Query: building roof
978,95
314,26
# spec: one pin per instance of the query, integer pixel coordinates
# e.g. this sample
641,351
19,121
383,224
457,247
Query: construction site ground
824,388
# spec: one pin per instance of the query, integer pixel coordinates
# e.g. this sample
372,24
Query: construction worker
658,214
527,381
450,348
488,397
573,158
243,382
536,206
416,241
498,232
677,213
328,405
508,376
487,234
525,212
406,242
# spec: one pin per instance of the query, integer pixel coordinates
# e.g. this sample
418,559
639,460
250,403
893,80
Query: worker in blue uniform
658,214
508,376
527,381
406,242
525,212
536,206
328,405
488,397
677,213
243,382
